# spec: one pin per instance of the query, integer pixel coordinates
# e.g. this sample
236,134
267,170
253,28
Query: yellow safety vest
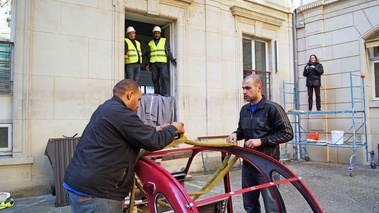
158,52
132,52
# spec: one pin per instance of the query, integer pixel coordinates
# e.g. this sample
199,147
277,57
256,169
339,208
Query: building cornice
250,15
178,3
315,4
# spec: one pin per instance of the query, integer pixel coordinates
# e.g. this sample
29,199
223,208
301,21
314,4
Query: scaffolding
356,136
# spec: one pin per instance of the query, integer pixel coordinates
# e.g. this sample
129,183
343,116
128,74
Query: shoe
9,202
319,110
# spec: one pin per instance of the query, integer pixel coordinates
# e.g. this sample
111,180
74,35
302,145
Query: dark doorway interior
144,35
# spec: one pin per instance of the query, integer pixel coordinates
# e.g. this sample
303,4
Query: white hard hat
157,29
130,29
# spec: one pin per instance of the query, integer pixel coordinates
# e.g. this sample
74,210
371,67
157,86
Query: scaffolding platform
356,136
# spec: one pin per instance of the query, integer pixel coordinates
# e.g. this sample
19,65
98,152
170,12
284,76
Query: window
5,137
162,205
5,67
5,46
374,57
5,78
255,61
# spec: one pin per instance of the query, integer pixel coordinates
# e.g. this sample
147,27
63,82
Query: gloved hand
173,61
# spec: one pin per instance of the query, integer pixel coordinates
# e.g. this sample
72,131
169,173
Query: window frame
156,204
375,96
374,59
7,150
265,74
7,87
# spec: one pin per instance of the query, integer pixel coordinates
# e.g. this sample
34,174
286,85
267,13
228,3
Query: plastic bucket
337,136
313,136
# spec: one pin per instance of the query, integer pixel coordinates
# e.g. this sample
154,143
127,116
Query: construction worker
159,54
133,55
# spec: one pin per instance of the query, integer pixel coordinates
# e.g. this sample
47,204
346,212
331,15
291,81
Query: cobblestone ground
330,184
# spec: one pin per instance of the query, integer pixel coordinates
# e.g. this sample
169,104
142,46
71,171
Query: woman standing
313,71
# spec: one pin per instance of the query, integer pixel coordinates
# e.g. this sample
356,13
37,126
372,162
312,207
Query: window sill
374,104
9,161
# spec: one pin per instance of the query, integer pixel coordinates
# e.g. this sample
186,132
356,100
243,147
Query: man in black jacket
101,172
263,125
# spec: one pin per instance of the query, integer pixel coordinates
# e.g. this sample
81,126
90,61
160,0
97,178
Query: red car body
158,183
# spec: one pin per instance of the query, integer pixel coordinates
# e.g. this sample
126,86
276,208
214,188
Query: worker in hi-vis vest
159,54
133,55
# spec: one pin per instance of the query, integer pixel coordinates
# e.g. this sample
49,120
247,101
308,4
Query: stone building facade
344,35
68,54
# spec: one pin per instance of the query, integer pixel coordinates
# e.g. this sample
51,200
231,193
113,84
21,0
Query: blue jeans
251,177
160,74
80,204
132,71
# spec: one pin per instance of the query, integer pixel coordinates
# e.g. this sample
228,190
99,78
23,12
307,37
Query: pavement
330,183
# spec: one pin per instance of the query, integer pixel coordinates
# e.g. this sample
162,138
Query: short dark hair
125,85
257,80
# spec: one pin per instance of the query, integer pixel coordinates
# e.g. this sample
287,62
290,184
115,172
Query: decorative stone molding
153,7
316,4
178,2
310,6
250,16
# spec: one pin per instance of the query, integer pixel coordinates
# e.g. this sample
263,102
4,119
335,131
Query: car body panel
167,184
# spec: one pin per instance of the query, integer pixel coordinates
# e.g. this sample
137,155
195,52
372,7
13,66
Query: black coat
269,122
313,74
104,159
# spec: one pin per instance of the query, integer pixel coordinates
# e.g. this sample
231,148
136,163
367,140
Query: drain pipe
295,66
296,80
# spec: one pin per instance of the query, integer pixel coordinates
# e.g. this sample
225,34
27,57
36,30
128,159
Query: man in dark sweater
101,172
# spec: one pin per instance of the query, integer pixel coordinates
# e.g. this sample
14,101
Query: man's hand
232,138
173,61
147,67
161,127
126,56
179,127
252,143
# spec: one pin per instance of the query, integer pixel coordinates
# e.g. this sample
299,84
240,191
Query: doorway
144,35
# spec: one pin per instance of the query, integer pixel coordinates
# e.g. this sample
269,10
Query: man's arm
169,54
282,129
147,54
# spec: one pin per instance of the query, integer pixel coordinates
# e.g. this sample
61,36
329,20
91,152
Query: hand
147,67
126,56
173,61
179,127
312,66
161,127
232,138
252,143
